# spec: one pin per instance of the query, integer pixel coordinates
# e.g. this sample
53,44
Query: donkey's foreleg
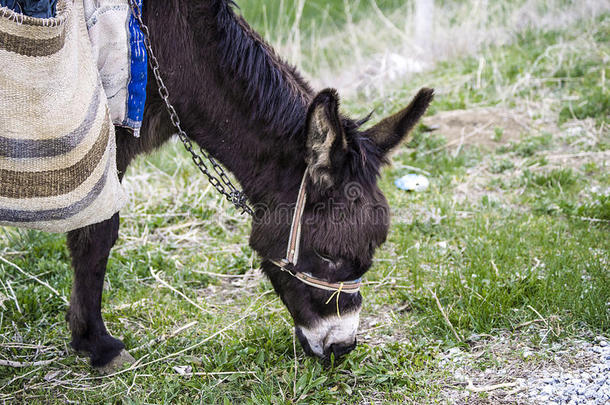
90,247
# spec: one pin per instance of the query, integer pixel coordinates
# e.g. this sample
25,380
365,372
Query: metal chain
231,193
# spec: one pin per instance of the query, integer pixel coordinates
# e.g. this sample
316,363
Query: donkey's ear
390,131
326,140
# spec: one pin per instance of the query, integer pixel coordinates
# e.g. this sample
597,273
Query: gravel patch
505,370
589,385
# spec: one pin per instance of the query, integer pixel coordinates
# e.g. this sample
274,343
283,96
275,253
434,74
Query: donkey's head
346,217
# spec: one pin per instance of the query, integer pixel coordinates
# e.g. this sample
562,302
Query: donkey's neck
235,97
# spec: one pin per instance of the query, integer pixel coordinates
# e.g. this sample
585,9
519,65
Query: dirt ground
479,126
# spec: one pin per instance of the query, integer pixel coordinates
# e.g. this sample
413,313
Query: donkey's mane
275,92
274,89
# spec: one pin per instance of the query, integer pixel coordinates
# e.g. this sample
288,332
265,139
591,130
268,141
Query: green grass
565,68
501,236
274,17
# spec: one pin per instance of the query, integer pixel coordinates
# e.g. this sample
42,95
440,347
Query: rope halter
288,264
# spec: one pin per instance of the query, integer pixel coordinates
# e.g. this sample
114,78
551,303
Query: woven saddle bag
57,143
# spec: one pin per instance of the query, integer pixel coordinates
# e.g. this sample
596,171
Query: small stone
52,375
603,343
183,370
454,351
590,393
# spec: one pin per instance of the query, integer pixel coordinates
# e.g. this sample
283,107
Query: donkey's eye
324,257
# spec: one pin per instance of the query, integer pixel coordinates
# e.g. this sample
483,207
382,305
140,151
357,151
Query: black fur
248,108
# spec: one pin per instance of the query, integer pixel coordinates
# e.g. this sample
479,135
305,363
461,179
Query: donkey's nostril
340,349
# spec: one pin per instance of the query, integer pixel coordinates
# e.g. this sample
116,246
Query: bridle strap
292,252
294,240
348,287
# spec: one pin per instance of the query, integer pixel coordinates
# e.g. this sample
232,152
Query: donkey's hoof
122,360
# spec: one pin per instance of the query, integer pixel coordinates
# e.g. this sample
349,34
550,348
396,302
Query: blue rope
136,87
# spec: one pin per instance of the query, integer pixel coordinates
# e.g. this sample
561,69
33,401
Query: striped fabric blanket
57,142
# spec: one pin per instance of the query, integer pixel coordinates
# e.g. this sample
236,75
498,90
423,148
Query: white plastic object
412,182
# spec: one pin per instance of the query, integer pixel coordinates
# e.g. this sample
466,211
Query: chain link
223,184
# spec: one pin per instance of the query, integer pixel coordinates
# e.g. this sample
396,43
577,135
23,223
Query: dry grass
183,290
369,55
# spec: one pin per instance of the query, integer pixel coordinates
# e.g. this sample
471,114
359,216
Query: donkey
257,116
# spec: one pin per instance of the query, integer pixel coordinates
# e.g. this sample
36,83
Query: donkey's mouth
337,351
334,351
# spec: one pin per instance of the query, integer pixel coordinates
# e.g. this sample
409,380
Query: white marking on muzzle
331,330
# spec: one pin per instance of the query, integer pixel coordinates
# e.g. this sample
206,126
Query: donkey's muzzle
304,343
335,350
329,337
338,350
